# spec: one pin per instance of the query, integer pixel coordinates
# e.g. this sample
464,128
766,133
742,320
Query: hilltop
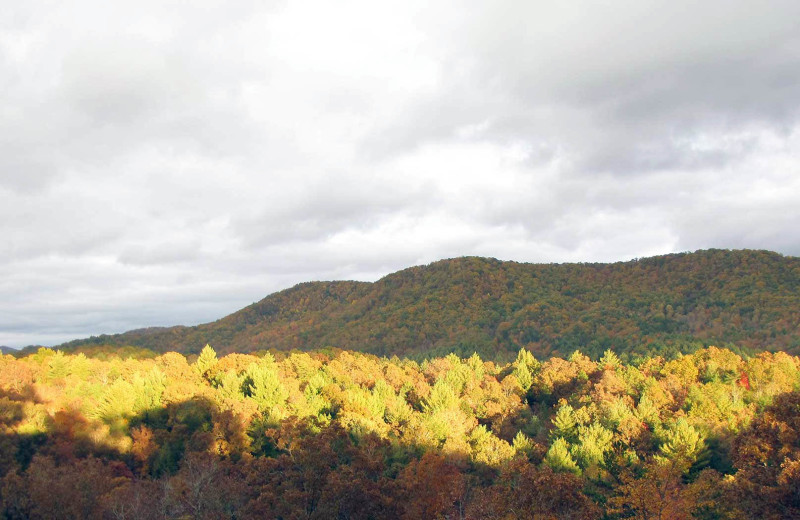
741,299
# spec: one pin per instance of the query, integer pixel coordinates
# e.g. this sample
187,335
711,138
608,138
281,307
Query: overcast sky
168,163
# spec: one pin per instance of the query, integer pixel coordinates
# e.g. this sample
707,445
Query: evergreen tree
264,386
525,367
594,442
523,445
610,360
684,442
565,424
559,458
206,360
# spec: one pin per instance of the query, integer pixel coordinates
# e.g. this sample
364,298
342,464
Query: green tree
610,360
206,360
565,424
682,441
594,442
264,386
559,458
525,367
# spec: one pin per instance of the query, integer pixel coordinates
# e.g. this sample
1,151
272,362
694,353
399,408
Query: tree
659,492
558,457
767,459
565,425
609,361
264,386
206,488
594,442
525,366
523,492
55,491
683,442
206,360
430,488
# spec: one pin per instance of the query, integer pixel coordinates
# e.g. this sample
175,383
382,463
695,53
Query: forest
124,434
747,301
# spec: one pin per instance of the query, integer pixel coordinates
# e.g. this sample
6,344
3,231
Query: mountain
743,298
7,350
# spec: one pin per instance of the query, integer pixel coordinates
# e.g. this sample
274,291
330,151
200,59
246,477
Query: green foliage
594,441
230,385
647,412
616,413
684,442
717,403
122,400
264,386
442,397
475,363
609,360
58,366
525,367
148,389
206,360
523,445
118,402
559,458
565,424
488,449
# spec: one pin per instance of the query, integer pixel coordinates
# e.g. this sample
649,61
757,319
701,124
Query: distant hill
745,299
7,350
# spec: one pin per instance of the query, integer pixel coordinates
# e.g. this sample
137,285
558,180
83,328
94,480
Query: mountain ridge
743,298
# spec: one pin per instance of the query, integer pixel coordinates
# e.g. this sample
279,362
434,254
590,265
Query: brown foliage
430,487
525,492
767,457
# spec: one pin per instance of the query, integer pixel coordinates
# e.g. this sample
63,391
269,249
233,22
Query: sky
167,162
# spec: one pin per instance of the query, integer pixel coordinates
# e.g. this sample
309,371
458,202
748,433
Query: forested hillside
354,436
740,299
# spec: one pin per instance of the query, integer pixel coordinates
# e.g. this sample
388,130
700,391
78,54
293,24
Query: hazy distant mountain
7,350
749,299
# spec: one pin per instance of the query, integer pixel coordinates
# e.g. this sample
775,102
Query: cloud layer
167,163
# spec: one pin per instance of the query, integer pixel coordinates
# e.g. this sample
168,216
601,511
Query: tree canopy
710,434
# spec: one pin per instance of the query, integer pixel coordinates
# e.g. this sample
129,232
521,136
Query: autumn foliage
744,300
351,435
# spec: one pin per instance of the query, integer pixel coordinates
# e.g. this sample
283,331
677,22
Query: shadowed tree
524,492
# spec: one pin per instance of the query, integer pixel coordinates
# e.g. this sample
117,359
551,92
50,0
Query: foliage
665,305
559,458
351,435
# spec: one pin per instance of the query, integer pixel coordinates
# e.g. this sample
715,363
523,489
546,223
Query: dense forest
744,300
348,435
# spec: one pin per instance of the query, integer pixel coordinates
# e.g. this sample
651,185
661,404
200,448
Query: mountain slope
750,299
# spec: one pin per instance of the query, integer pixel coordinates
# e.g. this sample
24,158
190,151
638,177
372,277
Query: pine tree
647,412
264,386
682,441
525,366
442,397
559,458
565,424
206,360
610,360
523,445
594,442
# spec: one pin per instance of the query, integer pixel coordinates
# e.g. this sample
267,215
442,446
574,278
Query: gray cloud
622,89
330,205
164,164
